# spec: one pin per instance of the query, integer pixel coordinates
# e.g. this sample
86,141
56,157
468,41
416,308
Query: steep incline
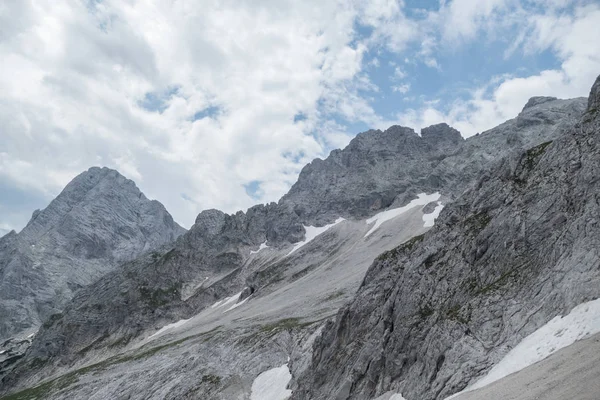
518,248
98,221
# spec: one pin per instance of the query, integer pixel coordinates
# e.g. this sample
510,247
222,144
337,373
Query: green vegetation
426,311
159,297
284,324
533,154
498,283
53,318
478,222
404,247
334,295
211,379
454,314
43,390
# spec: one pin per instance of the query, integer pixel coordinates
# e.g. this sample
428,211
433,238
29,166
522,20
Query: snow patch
560,332
429,219
226,301
3,351
236,305
312,232
421,200
272,384
262,247
168,327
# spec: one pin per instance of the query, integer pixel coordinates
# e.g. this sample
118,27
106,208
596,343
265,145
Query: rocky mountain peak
210,221
441,133
100,220
536,100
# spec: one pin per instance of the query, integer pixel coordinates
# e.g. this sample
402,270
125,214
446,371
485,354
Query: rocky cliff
516,249
97,222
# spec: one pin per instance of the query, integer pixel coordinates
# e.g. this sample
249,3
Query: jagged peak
442,131
536,100
210,221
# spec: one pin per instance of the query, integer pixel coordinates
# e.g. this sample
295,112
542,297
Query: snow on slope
312,232
227,301
262,247
168,327
560,332
237,304
429,219
272,384
421,200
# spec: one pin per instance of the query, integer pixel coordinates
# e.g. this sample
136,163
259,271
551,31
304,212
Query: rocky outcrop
519,247
98,221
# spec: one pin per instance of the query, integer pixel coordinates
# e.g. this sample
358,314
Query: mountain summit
99,220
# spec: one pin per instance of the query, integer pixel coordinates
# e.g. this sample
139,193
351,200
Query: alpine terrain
404,266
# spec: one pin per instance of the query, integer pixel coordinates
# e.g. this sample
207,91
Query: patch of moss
43,390
159,297
478,222
211,379
426,311
53,318
532,155
404,247
284,324
334,295
454,314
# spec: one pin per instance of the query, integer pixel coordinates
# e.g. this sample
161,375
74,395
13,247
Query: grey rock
98,221
516,249
379,168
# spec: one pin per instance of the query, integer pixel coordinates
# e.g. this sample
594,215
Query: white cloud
74,78
572,37
120,83
403,88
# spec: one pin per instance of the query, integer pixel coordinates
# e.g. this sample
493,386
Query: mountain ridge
213,259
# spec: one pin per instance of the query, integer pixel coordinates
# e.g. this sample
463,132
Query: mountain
517,249
239,294
100,220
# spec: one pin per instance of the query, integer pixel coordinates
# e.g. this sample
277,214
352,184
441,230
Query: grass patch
334,295
156,298
532,155
211,379
43,390
404,247
478,222
284,324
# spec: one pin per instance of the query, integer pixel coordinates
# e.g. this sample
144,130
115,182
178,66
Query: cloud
220,103
403,88
195,98
570,36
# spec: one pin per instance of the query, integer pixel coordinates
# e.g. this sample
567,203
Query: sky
219,104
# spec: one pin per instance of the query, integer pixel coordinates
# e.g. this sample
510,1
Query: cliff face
518,248
100,220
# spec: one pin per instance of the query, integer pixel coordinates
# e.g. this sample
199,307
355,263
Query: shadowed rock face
376,170
519,247
100,220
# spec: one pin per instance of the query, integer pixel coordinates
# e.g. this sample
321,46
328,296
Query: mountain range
404,263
